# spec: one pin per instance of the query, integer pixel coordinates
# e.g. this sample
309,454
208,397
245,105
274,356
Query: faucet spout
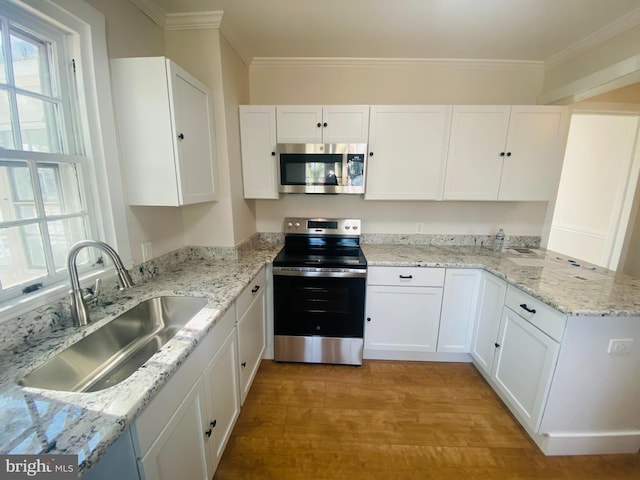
79,312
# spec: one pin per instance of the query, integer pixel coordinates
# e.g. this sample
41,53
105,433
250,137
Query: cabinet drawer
536,312
255,287
406,276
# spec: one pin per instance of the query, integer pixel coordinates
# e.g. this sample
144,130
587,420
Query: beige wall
198,52
236,90
397,83
130,33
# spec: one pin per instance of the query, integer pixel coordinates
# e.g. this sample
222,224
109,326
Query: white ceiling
530,30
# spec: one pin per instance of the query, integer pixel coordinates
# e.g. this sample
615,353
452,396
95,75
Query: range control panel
322,226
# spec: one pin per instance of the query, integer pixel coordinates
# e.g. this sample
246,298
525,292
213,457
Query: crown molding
615,76
246,59
615,28
193,20
286,62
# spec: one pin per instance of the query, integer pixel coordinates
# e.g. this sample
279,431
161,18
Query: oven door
316,305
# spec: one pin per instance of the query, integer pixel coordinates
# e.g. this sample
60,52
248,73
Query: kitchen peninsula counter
577,289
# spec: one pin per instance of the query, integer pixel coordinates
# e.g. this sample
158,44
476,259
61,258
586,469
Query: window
44,202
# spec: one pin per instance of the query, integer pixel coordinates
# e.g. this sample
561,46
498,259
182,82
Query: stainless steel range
319,292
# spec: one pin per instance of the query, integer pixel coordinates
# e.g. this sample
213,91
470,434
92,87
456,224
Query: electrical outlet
419,227
146,251
619,346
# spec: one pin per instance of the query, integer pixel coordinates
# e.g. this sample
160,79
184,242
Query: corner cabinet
505,153
407,152
258,143
166,130
515,346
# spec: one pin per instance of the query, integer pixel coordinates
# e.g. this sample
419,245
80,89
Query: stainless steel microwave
321,167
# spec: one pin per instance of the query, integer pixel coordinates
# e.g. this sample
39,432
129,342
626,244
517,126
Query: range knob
355,227
297,225
289,225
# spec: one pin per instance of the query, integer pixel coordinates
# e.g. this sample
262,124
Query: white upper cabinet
407,152
322,124
505,153
258,143
534,153
165,124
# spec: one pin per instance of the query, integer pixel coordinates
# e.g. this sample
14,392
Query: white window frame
87,41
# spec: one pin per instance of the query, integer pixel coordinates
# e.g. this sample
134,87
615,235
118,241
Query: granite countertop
39,421
570,286
36,421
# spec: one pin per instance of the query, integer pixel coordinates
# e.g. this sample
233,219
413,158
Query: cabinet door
222,393
523,367
251,343
459,302
403,319
194,137
345,124
299,123
258,143
476,149
179,451
487,321
535,151
407,152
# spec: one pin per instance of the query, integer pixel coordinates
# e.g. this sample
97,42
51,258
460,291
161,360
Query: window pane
39,125
30,63
60,186
6,132
16,199
21,255
3,63
63,234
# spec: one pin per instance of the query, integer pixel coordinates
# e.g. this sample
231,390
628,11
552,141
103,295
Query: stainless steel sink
113,352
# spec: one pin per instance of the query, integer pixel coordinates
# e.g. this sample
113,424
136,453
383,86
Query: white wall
594,178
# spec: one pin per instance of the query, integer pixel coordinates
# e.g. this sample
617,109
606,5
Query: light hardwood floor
390,420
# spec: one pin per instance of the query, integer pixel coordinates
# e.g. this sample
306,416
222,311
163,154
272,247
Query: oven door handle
320,272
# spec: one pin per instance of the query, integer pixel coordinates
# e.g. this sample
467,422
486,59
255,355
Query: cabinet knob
213,424
273,154
244,364
371,154
497,345
508,154
319,125
255,289
208,433
324,124
368,319
181,136
502,154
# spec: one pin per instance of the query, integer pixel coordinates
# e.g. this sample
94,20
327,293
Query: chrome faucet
79,312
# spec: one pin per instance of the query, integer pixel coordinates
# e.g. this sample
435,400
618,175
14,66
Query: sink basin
113,352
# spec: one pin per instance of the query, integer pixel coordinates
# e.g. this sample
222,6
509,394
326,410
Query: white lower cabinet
403,312
180,451
517,350
220,381
523,367
184,436
251,331
487,321
460,297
